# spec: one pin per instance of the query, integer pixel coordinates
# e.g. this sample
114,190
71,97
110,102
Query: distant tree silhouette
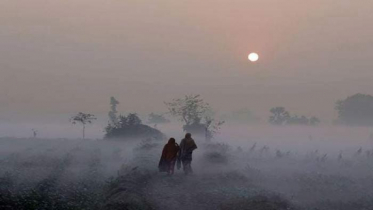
356,110
84,119
295,120
279,116
128,127
131,126
157,119
282,117
113,111
196,114
189,109
132,119
314,121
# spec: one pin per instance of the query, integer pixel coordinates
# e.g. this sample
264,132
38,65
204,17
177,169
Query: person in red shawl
169,156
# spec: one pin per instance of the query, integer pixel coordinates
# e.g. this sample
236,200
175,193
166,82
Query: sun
253,57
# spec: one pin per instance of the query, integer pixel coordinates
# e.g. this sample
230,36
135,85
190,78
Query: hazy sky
64,56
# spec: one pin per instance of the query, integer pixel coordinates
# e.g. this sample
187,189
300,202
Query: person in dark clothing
169,156
187,146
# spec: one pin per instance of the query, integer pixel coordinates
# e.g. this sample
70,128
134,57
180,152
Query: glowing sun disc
253,57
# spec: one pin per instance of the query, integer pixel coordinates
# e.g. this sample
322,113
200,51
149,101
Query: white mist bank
300,138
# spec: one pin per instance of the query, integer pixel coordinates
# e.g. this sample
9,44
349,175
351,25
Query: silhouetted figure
169,156
187,146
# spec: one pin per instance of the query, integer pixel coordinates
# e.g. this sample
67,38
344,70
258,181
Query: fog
302,168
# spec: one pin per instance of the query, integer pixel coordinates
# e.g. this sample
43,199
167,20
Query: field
99,174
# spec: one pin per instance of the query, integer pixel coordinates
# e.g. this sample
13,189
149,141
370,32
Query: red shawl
170,150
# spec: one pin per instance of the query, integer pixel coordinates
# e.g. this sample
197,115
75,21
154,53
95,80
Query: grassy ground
67,174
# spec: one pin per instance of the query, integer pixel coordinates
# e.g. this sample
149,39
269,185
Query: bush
146,145
217,153
129,127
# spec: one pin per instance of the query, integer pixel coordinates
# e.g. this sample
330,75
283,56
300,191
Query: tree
314,121
133,119
189,109
84,119
295,120
157,119
113,111
211,127
128,127
196,114
356,110
131,127
279,116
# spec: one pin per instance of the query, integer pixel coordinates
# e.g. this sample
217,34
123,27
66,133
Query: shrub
131,126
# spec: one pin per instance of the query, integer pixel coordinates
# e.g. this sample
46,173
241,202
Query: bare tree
84,119
189,109
196,114
212,127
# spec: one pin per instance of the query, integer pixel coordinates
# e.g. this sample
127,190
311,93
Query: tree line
282,117
198,117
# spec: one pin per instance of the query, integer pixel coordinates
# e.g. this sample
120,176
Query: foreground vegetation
68,174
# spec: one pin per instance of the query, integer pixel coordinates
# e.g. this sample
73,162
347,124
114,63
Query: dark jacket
187,146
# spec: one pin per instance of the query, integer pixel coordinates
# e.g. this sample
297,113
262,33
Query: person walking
169,156
187,146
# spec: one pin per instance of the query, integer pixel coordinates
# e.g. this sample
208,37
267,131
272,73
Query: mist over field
284,162
302,168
